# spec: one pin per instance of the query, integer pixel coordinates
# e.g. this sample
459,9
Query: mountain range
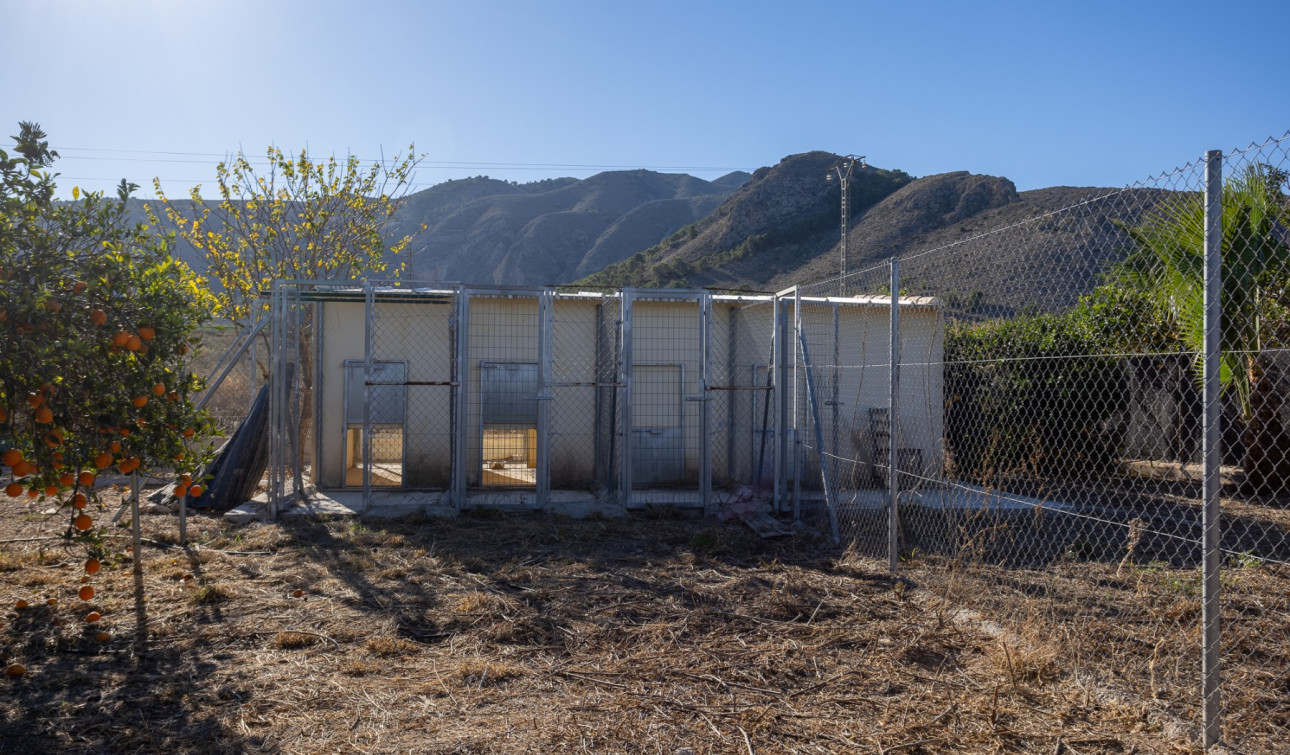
762,231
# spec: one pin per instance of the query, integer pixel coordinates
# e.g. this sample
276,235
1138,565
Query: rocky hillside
485,231
782,228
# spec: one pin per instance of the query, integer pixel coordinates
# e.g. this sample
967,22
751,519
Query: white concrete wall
664,332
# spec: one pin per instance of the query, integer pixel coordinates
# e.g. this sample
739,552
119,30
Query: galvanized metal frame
626,362
460,334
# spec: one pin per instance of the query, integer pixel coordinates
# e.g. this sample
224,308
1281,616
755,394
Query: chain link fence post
1212,437
893,423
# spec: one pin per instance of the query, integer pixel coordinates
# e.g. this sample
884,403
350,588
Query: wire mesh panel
403,437
1253,535
666,436
288,432
504,393
1059,472
583,373
741,392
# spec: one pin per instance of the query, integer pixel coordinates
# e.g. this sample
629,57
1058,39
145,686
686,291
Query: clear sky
1045,93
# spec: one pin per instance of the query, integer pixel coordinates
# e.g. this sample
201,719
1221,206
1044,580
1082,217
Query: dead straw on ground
541,634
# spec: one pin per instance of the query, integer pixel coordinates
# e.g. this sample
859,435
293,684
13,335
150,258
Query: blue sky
1045,93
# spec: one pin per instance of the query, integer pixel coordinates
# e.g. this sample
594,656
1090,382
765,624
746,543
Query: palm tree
1169,265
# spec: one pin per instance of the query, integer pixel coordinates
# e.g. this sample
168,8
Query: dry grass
538,634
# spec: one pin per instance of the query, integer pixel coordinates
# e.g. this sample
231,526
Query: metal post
777,388
275,401
369,315
546,303
835,399
460,372
893,423
625,380
705,416
1211,719
797,442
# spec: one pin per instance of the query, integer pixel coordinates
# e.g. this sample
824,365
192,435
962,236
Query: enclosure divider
276,411
460,327
777,383
782,394
625,378
835,401
545,303
369,315
811,399
797,404
893,423
1211,716
316,345
705,399
731,340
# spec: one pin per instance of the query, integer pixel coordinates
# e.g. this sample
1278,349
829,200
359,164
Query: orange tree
97,326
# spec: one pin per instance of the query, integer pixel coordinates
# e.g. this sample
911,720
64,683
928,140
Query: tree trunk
1267,446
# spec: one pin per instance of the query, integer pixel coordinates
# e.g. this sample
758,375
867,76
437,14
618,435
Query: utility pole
842,167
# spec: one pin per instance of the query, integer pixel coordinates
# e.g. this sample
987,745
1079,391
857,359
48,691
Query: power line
437,164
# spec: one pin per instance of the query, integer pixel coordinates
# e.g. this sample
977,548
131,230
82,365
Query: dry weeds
539,634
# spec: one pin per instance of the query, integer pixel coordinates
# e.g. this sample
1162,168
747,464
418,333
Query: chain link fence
1088,411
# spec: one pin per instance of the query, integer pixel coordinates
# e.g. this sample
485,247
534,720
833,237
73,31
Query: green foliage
73,277
1032,395
1169,264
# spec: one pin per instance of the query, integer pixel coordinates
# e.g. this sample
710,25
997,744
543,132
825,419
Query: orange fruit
79,500
195,491
103,460
53,438
86,479
79,287
15,670
102,636
172,396
22,469
92,566
147,333
186,478
115,446
13,489
93,616
183,349
120,339
133,343
35,399
44,415
3,414
66,479
51,602
83,522
21,605
98,317
52,306
140,401
33,493
11,457
125,432
85,593
189,432
159,389
51,491
298,593
181,491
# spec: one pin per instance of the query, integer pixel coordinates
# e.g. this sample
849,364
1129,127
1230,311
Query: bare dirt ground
536,634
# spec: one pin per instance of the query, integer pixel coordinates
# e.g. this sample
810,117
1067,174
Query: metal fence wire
1089,411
